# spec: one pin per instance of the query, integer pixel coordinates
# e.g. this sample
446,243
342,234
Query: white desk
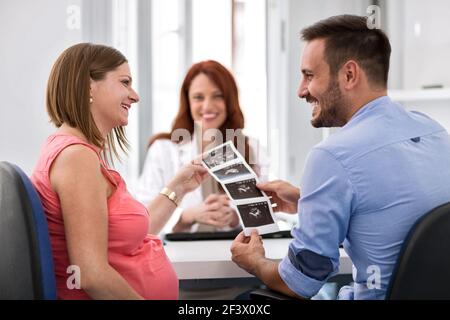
195,260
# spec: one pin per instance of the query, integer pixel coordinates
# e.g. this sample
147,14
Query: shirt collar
383,100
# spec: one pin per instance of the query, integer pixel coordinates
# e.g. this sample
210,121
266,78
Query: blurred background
257,39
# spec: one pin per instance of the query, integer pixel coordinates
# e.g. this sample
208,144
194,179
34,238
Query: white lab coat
164,159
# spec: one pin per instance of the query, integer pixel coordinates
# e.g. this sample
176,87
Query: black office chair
26,263
422,270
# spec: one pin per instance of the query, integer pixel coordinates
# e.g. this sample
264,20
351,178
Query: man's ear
351,74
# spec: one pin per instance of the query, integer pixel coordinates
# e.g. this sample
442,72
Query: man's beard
332,107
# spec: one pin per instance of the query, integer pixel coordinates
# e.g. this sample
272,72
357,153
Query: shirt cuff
301,284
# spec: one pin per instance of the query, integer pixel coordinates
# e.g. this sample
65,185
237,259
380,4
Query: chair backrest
423,266
26,263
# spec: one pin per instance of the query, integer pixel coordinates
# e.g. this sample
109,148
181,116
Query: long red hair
224,80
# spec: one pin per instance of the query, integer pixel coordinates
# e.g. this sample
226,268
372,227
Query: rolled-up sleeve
325,207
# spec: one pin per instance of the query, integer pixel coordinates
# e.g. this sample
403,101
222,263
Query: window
124,38
231,32
249,64
212,31
168,34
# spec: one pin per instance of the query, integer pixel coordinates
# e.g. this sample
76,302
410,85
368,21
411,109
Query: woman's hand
284,194
215,210
187,179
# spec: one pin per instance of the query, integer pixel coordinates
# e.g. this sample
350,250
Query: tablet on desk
220,235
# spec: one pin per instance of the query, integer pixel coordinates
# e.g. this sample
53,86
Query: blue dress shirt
364,187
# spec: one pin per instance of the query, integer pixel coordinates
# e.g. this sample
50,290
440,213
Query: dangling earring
91,100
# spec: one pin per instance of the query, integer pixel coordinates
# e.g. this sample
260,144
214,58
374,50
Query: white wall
427,44
420,44
420,55
33,34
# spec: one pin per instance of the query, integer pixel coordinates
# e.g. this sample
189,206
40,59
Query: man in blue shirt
363,187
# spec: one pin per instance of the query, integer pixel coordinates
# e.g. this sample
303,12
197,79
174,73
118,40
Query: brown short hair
348,37
68,91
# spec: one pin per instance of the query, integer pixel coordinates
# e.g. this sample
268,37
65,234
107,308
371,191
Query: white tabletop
212,259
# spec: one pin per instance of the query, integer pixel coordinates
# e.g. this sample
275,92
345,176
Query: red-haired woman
209,114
